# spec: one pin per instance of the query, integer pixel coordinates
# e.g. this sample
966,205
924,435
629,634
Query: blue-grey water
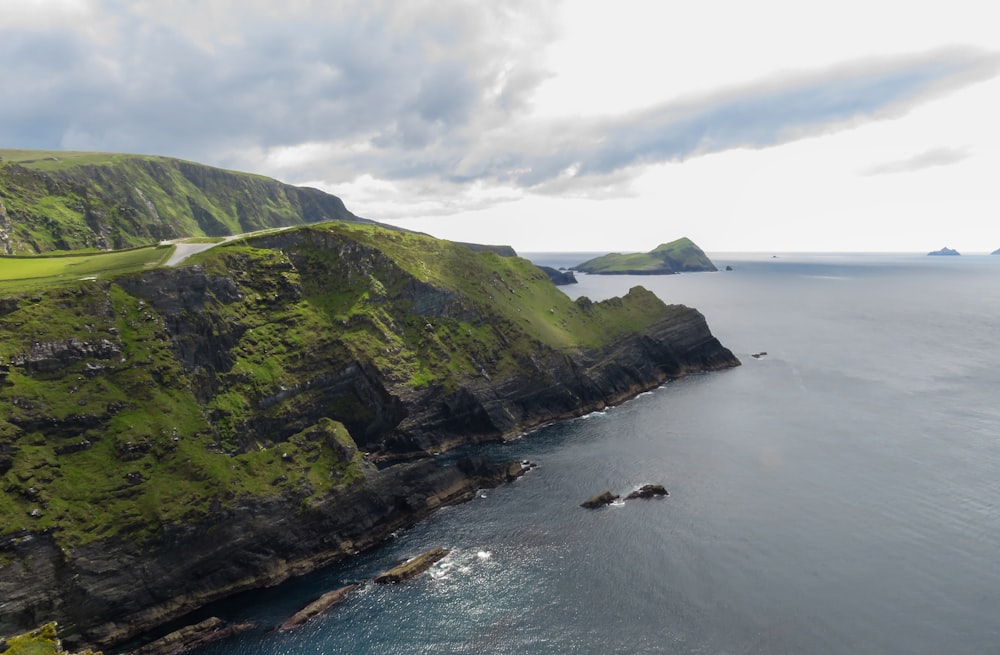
839,495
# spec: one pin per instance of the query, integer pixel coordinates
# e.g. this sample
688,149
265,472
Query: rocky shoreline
109,591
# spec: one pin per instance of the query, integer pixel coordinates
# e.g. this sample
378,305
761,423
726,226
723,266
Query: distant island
945,251
680,256
996,252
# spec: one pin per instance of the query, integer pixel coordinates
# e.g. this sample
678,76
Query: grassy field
45,160
54,160
18,273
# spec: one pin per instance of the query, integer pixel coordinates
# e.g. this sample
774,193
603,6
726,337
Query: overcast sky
856,125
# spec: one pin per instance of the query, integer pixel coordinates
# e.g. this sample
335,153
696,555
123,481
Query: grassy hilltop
79,200
678,256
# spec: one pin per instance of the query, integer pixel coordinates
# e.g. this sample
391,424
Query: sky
583,125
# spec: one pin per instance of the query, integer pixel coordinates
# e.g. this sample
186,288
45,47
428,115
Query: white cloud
926,159
748,123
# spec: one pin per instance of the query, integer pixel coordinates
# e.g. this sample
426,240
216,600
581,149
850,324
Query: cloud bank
428,98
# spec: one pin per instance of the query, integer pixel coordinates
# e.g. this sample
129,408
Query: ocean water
839,495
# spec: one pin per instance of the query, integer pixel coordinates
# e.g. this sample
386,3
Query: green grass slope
43,641
147,400
678,256
74,201
22,272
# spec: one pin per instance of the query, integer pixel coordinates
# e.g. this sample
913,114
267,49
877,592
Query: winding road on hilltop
183,250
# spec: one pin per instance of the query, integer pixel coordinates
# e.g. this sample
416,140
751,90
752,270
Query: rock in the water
945,251
317,607
600,500
192,636
648,491
413,567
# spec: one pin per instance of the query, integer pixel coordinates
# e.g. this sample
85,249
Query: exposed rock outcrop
600,500
412,567
648,491
559,278
317,607
193,636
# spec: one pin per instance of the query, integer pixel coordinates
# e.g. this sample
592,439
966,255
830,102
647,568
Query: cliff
680,256
73,200
176,435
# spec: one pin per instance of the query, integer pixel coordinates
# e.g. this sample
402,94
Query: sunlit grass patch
18,273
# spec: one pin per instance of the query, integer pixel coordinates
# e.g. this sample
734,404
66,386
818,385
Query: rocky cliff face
179,435
108,591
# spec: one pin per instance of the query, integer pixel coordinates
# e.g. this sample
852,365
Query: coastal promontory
679,256
173,435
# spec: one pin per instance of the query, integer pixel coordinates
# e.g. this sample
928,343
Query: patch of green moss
42,641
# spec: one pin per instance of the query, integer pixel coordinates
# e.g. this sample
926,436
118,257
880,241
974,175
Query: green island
679,256
270,405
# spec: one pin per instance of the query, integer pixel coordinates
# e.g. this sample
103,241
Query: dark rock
51,356
945,251
411,568
729,268
648,491
559,278
192,636
600,500
317,607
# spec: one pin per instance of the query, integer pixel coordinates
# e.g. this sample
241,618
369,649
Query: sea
838,494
